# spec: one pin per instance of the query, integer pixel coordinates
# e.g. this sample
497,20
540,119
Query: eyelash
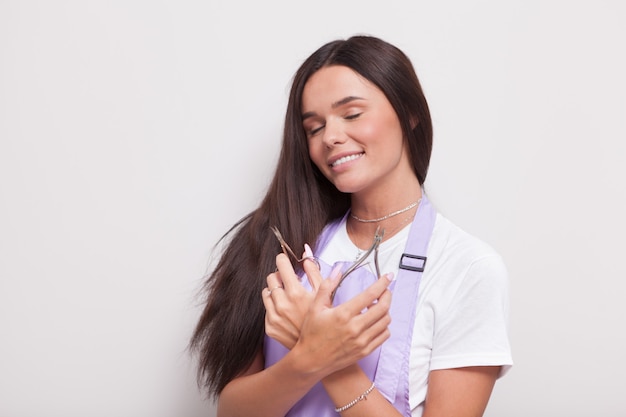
312,132
354,116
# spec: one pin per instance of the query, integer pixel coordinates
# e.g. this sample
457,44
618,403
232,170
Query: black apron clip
413,263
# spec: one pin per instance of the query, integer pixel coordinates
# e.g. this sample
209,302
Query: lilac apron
388,365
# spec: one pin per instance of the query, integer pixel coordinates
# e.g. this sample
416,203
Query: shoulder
450,243
457,258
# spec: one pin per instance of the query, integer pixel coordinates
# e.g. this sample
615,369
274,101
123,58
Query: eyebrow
336,104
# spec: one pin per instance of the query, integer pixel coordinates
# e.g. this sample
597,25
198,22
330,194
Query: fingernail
335,272
308,251
389,276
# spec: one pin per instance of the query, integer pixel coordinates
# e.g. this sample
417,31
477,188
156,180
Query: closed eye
353,116
314,131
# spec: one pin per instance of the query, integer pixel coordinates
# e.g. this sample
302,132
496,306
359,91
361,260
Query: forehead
332,83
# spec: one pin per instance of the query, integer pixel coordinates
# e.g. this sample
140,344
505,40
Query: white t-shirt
463,306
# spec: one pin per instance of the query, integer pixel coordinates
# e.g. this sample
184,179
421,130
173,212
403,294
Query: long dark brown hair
300,201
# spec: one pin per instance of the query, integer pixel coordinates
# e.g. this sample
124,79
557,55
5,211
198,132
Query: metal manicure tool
378,238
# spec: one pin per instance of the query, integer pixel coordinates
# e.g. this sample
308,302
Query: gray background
134,133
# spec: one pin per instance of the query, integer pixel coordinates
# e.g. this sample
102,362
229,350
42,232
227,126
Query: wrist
346,386
306,364
354,402
342,375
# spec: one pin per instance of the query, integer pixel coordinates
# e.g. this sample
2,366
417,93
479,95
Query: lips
347,158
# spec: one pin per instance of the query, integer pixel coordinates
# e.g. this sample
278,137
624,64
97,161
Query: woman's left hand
287,301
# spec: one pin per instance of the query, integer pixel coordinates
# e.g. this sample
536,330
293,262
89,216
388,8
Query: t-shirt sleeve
472,330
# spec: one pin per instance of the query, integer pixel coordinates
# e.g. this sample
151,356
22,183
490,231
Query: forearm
268,392
349,383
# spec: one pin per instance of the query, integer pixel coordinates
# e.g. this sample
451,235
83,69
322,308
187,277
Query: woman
427,337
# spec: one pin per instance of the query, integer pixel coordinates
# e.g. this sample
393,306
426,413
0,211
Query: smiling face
354,135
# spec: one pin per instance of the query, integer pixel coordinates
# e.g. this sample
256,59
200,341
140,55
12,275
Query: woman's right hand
332,338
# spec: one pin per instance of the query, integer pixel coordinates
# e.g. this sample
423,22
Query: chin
347,188
351,184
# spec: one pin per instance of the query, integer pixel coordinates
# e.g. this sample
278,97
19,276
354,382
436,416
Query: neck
390,211
382,201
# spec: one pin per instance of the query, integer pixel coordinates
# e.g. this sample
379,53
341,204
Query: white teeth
346,159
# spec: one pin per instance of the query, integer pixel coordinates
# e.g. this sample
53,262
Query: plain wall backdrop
134,133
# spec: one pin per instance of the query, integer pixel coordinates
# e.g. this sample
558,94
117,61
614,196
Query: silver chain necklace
380,219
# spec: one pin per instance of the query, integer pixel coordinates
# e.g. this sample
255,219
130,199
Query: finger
377,312
272,299
373,330
267,301
371,294
373,326
311,268
285,269
383,302
325,289
274,287
275,325
377,339
274,280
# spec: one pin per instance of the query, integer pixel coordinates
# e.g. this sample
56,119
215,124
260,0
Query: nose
333,134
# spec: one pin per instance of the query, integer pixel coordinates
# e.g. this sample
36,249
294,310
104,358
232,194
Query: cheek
387,132
373,131
315,153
